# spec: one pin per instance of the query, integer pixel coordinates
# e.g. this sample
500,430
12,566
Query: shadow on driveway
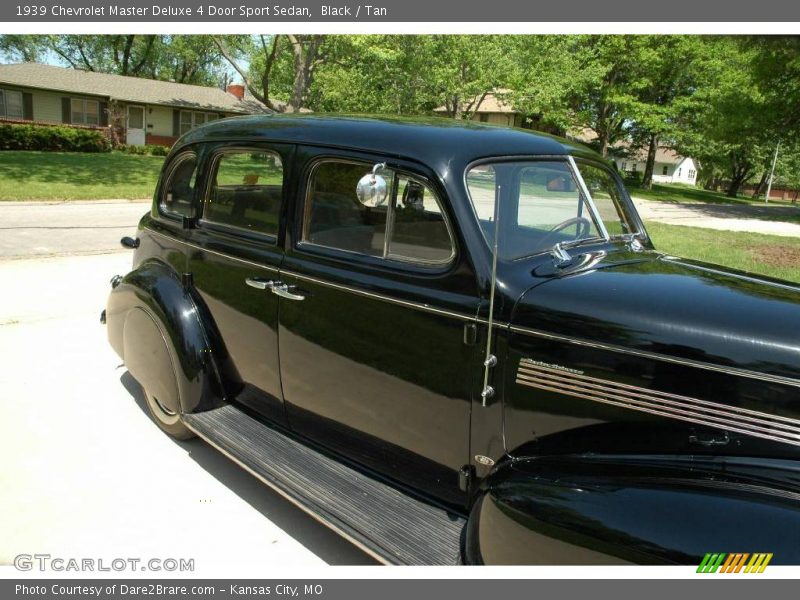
330,547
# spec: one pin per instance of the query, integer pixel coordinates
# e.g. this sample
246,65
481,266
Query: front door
235,255
374,363
136,126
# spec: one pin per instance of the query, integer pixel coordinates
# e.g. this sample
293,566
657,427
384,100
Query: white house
670,167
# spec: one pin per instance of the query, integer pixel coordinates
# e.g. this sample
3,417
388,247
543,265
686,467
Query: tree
670,71
186,59
271,57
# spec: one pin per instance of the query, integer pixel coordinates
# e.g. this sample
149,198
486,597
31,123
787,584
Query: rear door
236,254
374,362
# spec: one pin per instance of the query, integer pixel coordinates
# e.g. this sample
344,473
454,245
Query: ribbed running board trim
385,522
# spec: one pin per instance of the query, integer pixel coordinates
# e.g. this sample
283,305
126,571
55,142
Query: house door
136,126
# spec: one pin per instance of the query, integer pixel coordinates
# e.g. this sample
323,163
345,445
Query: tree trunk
736,182
603,139
761,184
647,182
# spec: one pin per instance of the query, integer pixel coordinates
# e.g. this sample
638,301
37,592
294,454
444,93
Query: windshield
541,204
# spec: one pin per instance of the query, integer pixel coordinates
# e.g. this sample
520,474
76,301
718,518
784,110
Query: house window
191,119
484,117
679,172
623,166
11,104
665,170
692,173
85,112
633,167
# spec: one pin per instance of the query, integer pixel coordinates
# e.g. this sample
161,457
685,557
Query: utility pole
772,171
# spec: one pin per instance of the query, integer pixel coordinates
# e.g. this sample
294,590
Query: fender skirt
163,332
592,510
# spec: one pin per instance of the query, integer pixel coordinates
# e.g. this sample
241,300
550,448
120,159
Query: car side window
418,230
178,194
246,190
407,225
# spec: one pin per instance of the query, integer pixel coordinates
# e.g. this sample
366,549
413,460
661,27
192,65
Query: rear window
177,197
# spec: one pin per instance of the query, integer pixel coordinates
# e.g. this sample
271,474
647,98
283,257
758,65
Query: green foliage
52,138
193,59
149,150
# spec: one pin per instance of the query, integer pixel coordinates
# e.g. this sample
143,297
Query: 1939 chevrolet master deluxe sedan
456,343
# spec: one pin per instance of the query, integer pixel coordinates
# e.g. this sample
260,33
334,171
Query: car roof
431,140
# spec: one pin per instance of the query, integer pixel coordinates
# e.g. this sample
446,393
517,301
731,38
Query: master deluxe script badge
539,363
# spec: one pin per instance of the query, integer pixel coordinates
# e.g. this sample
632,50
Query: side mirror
129,242
371,189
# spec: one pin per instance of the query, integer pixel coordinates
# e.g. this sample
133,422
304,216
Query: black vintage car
453,342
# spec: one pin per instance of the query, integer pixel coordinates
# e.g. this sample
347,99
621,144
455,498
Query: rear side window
407,225
178,194
246,191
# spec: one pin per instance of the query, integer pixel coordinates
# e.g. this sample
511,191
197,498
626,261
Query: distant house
670,167
145,111
493,108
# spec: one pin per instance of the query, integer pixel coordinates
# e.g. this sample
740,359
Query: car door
235,256
377,295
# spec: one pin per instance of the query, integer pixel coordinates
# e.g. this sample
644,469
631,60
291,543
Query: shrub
144,150
634,178
159,150
54,138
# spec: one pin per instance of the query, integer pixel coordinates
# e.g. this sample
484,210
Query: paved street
85,472
51,229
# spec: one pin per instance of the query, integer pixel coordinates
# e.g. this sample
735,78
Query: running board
386,523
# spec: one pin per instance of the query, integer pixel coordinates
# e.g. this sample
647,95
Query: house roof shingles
493,102
127,89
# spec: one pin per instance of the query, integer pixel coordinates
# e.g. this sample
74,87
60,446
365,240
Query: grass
687,194
770,255
76,175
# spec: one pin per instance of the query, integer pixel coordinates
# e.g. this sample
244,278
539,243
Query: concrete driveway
85,473
768,219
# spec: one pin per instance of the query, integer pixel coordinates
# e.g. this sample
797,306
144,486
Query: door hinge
466,475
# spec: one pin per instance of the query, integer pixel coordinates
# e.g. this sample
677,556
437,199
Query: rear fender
587,510
162,331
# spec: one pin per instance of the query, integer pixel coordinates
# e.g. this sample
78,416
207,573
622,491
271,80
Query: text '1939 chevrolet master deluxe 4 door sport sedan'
455,343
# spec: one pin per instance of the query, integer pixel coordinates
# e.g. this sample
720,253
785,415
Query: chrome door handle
261,284
282,290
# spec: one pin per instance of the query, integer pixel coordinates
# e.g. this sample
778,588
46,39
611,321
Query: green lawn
771,255
687,194
77,175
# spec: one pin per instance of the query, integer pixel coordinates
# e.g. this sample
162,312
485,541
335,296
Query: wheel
169,421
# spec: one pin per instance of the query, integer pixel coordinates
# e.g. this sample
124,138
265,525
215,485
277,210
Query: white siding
676,173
